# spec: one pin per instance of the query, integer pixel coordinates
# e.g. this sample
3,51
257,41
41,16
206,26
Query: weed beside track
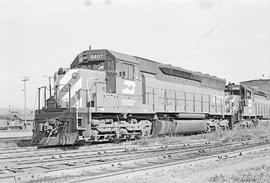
259,174
262,130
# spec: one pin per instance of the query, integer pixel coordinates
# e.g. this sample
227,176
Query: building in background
15,121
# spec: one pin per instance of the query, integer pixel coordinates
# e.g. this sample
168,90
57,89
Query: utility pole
50,84
25,79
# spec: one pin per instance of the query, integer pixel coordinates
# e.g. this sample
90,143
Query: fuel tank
161,127
188,126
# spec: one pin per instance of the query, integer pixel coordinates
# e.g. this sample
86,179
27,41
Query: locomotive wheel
138,137
210,129
115,140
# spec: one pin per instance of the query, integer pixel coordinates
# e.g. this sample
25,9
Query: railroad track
14,139
12,152
9,155
111,175
15,135
17,152
94,165
6,142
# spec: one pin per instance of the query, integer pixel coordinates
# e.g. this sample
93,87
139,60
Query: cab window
248,94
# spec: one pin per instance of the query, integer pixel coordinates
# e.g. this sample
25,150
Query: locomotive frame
106,95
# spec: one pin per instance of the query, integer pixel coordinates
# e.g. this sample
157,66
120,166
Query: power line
239,50
221,23
216,27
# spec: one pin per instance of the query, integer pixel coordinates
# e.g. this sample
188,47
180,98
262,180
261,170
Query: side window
248,94
127,71
111,65
131,72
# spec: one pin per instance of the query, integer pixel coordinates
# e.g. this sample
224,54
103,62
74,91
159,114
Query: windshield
94,65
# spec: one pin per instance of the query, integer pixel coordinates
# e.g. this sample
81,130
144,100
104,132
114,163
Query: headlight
74,75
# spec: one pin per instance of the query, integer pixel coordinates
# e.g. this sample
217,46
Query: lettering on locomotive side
249,106
219,100
129,87
128,102
249,103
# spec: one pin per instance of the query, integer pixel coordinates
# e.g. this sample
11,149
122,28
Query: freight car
110,96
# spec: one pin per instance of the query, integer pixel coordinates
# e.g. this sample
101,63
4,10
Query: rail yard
104,113
114,91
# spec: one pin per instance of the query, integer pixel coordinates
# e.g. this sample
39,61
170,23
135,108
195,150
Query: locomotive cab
239,101
87,102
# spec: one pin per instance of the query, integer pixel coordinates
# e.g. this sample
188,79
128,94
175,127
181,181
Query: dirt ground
254,167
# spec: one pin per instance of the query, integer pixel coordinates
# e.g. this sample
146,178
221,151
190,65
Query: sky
226,38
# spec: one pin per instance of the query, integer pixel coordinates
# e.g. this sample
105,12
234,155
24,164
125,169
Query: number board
97,55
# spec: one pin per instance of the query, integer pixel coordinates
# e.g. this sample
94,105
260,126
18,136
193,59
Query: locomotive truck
110,96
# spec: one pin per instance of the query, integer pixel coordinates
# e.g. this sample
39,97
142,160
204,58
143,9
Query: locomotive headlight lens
74,75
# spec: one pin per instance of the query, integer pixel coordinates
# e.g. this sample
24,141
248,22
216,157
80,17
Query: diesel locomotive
110,96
